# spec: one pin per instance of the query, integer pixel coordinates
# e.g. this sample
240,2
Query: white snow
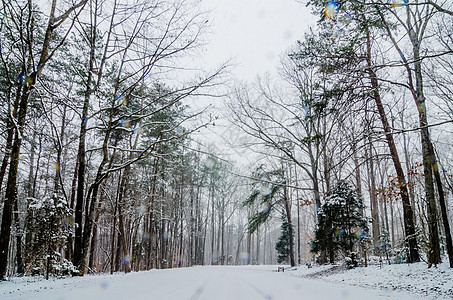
434,283
209,283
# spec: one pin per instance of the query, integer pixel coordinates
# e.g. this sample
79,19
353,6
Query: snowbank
433,283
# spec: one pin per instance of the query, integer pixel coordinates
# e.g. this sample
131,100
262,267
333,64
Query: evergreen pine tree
284,241
340,222
47,223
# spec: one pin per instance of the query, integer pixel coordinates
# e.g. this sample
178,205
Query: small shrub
352,260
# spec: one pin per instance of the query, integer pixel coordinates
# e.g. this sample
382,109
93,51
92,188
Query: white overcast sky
254,32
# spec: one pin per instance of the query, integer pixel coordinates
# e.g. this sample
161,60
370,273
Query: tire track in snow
260,291
199,291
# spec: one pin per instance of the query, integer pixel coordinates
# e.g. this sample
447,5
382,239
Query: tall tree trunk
200,239
191,227
81,162
91,199
298,222
408,163
163,235
151,212
122,194
257,246
11,187
315,181
443,209
409,224
415,34
94,236
19,260
373,193
265,242
119,247
93,240
358,179
358,176
70,239
249,244
112,244
222,230
8,145
181,239
122,235
429,157
428,162
212,221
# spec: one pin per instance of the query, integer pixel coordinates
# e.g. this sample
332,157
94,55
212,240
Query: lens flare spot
399,3
127,259
104,285
244,256
331,9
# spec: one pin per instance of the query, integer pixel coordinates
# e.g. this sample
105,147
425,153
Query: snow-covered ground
417,279
246,282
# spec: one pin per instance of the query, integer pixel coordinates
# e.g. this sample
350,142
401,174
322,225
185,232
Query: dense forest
102,170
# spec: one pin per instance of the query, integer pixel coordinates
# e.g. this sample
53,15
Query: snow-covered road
197,283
